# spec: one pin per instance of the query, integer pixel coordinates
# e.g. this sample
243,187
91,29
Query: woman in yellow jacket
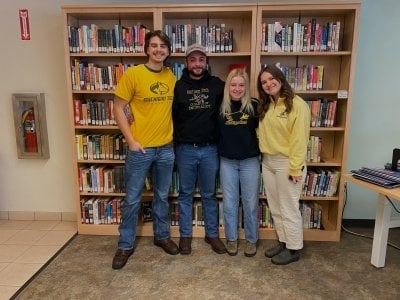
283,136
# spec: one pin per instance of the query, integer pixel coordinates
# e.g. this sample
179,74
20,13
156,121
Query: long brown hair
286,91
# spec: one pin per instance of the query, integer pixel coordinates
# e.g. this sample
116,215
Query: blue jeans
201,163
240,176
137,165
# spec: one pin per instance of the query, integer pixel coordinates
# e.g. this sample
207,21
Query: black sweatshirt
238,138
195,109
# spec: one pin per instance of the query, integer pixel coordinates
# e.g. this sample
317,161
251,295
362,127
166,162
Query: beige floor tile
5,234
66,225
16,274
38,254
25,237
43,225
7,291
9,253
3,265
25,246
14,224
54,237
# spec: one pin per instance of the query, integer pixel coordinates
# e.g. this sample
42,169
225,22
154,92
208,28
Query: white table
383,220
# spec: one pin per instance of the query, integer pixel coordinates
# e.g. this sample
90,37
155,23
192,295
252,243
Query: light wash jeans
199,163
240,178
137,165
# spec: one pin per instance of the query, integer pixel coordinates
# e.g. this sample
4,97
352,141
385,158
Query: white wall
375,124
38,66
34,66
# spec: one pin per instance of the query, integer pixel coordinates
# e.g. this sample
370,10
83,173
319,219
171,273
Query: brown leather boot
167,245
216,244
185,245
120,258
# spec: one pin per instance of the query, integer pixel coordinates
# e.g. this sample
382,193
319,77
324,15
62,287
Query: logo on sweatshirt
283,115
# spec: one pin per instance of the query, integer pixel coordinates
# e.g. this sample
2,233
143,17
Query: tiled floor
25,246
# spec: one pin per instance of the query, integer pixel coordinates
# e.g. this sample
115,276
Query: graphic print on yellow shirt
150,97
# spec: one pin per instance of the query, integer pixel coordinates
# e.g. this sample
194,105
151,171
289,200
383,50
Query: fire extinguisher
29,129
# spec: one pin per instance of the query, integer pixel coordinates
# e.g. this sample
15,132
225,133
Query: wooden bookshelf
245,21
339,70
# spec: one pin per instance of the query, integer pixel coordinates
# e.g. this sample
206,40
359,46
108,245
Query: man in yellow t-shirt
148,90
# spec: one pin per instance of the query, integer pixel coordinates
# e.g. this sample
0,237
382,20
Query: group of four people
206,126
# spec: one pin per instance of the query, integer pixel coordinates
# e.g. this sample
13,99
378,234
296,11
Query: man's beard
196,74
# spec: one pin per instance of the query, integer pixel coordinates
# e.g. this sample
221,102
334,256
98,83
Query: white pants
283,200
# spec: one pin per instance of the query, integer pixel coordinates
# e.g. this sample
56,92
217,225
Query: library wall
375,126
38,66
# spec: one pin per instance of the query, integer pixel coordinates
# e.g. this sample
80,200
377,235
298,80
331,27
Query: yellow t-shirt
150,95
286,134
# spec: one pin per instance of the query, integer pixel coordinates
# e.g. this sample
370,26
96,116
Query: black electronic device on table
395,159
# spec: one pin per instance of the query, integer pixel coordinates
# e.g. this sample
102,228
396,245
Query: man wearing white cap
197,98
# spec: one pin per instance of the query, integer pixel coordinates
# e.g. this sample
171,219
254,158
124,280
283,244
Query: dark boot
216,244
271,252
185,245
286,257
167,245
120,258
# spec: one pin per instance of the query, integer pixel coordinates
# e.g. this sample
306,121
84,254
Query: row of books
177,69
323,112
314,148
101,179
297,37
105,210
305,78
104,179
321,183
100,112
264,214
100,146
94,112
215,38
276,37
118,39
311,212
90,77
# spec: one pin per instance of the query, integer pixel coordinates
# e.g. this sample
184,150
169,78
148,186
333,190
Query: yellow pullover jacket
286,134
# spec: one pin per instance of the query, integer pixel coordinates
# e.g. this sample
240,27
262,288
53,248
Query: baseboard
37,216
365,223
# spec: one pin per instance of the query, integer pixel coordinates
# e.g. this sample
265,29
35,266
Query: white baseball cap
196,48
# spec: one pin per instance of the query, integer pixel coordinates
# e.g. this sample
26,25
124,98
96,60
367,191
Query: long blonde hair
246,99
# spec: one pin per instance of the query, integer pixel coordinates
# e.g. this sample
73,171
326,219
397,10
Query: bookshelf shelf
246,22
94,127
96,54
339,53
100,161
92,92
